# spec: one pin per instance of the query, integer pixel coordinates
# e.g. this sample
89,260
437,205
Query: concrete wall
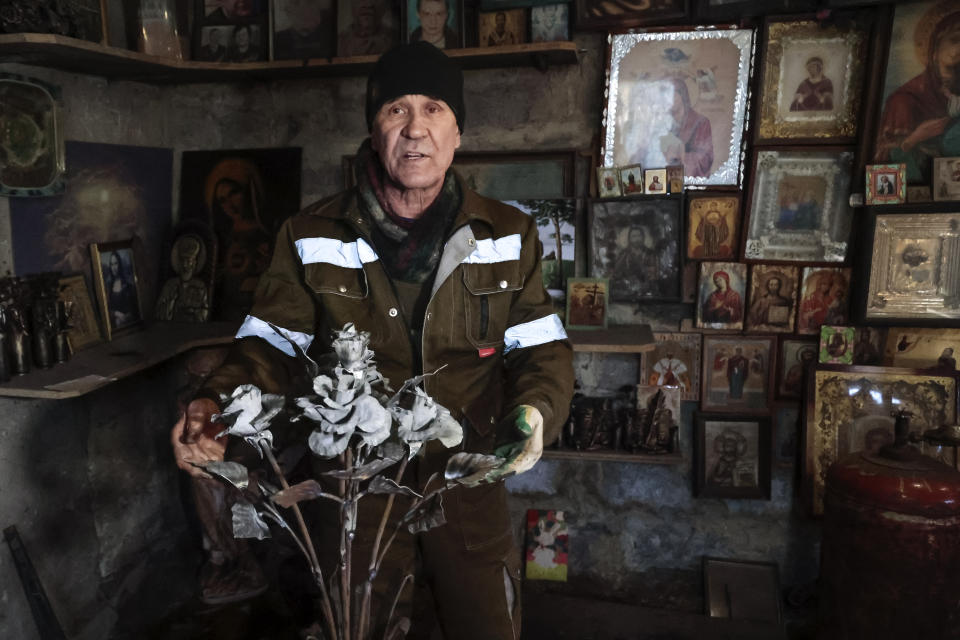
90,483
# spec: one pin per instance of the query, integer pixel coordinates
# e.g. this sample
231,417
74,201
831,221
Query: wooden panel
621,339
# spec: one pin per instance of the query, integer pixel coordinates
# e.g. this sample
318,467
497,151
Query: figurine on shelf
658,412
185,297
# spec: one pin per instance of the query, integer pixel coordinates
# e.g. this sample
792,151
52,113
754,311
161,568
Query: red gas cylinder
890,556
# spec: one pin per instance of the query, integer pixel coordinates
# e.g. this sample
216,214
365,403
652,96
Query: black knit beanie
418,68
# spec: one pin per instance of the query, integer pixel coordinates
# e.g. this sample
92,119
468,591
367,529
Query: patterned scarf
409,249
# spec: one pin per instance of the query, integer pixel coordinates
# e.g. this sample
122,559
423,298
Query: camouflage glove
526,424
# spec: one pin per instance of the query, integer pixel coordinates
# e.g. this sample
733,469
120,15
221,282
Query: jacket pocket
323,278
483,515
482,415
487,298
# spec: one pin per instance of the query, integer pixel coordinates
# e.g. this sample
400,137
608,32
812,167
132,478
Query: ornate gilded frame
790,39
896,290
826,243
840,395
621,45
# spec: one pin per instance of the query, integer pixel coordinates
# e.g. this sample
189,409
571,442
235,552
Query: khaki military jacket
489,323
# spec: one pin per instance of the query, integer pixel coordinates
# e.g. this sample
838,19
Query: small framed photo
303,29
824,299
115,266
674,361
946,179
587,300
797,355
84,330
914,273
675,178
722,291
231,31
631,180
737,373
500,28
786,435
713,225
733,458
439,22
608,182
655,181
886,184
550,23
836,345
366,27
742,589
773,298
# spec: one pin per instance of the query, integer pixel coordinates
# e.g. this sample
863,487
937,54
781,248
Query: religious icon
608,182
587,300
185,297
655,181
868,343
946,179
675,178
631,180
501,28
736,373
733,458
674,361
922,348
722,294
713,223
550,23
824,299
796,356
365,27
886,184
836,345
773,296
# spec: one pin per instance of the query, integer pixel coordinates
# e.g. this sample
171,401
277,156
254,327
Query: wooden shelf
70,54
107,362
617,339
613,456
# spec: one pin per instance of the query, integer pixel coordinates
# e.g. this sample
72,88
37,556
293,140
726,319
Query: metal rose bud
350,346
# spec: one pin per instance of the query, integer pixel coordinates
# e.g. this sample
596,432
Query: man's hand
520,455
193,437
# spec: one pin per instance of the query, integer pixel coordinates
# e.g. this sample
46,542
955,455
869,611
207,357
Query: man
367,34
771,308
442,278
213,50
500,35
243,48
636,268
309,33
433,25
884,186
815,93
919,120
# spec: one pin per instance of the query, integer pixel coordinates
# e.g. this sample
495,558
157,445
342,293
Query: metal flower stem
308,541
346,490
372,569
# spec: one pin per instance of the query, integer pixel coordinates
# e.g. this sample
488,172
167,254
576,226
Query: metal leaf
233,472
470,468
380,484
308,363
306,490
363,472
426,515
247,523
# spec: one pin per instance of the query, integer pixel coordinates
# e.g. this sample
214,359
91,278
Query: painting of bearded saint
921,92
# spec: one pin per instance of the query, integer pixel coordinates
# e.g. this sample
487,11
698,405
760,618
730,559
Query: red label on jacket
486,353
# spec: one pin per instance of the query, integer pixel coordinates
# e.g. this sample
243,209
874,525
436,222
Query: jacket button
471,241
429,315
503,284
393,312
342,289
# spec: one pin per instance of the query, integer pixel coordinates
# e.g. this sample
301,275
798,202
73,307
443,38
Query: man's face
237,8
773,285
415,137
501,21
433,15
367,13
242,39
636,237
814,68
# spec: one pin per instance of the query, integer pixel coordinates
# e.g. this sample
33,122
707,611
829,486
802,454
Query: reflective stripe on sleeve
530,334
351,255
253,326
492,250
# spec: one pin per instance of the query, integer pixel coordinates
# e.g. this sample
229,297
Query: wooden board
617,339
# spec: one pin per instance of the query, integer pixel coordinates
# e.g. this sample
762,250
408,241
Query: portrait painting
799,209
824,299
797,355
946,179
366,27
608,182
114,192
557,227
587,300
674,362
836,345
243,195
303,29
886,184
501,28
31,148
849,411
920,348
868,347
435,21
917,122
737,373
786,429
655,181
115,274
631,180
915,269
733,456
675,178
636,244
722,295
84,330
812,81
678,99
547,545
773,298
550,23
713,225
605,16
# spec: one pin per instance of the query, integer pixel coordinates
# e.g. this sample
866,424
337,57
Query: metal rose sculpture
357,420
